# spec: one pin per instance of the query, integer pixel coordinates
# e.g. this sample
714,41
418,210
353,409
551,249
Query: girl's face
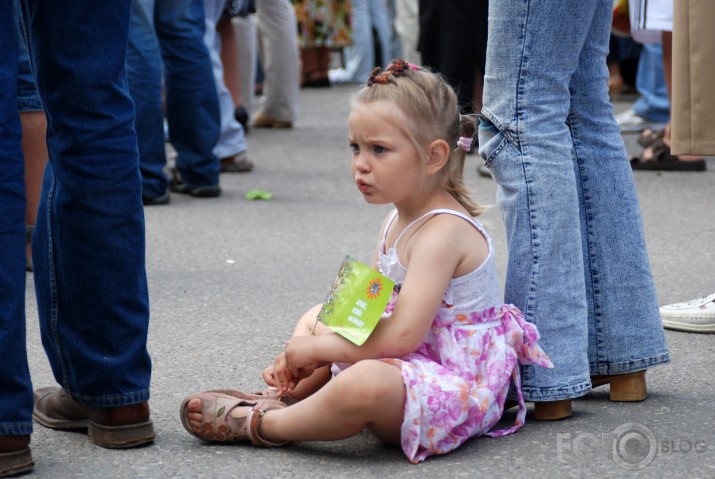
386,165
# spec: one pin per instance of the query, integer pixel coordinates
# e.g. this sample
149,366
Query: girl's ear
437,156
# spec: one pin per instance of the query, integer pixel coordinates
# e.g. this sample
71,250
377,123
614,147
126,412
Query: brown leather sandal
268,393
649,136
218,425
662,160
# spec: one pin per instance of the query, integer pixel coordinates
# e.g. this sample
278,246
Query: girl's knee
369,383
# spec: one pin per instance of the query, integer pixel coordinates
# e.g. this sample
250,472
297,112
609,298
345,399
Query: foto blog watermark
632,446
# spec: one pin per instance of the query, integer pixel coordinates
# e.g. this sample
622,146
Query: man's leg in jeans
15,386
89,244
144,73
191,101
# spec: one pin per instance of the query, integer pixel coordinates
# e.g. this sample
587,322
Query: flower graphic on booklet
375,288
355,302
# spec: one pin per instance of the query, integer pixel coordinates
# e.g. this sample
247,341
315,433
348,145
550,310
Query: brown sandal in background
649,136
662,160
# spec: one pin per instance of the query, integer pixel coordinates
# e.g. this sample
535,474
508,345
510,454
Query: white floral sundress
458,378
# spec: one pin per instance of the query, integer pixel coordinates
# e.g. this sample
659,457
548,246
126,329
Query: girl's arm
433,256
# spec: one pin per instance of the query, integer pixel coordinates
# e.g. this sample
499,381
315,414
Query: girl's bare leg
369,394
229,58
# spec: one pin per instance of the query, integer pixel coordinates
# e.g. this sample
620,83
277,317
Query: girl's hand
268,376
281,377
298,356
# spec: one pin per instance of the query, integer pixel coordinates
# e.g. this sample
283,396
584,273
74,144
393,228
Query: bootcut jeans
88,248
578,266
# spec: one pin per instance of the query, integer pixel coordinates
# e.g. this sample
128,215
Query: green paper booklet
356,301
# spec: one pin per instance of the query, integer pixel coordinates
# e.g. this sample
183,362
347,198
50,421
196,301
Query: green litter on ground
256,194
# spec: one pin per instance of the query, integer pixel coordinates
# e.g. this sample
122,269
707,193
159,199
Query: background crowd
162,102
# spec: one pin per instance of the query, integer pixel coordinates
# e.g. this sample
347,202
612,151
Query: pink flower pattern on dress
458,390
458,378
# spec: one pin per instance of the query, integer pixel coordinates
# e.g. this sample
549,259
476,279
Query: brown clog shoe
630,387
547,410
113,428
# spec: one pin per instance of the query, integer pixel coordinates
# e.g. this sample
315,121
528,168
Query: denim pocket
491,140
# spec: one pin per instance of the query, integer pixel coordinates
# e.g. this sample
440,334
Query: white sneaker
628,121
696,316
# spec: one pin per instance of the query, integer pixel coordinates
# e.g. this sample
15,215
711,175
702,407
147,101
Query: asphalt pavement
228,278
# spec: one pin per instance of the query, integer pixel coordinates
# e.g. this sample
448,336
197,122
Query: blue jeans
653,104
360,57
172,31
88,248
578,266
27,98
232,139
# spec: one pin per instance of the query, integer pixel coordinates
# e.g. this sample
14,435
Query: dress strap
431,212
392,217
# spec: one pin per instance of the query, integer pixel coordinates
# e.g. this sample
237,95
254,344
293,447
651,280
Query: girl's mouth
362,186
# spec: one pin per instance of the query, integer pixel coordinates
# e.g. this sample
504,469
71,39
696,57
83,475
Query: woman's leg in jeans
625,331
144,73
545,197
89,246
527,144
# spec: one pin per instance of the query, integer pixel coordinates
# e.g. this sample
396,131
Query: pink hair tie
465,143
413,67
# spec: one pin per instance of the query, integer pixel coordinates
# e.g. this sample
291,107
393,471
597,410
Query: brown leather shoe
236,164
115,427
263,120
15,456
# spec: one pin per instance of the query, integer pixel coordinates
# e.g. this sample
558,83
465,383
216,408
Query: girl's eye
378,149
354,148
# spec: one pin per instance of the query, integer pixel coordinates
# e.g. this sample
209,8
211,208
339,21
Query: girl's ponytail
452,181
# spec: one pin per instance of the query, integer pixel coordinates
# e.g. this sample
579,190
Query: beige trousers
693,102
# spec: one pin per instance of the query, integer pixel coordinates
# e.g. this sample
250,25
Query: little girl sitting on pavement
437,368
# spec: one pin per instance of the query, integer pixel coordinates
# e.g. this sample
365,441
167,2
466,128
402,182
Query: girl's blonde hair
431,107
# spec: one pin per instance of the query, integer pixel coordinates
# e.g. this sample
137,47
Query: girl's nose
361,164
